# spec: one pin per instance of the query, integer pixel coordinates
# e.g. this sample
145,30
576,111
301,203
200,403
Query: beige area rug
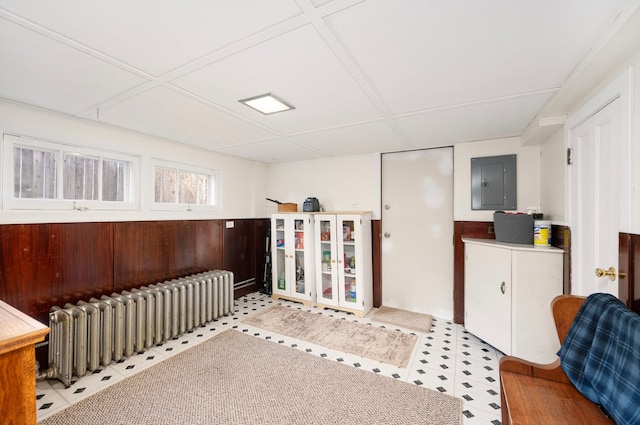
373,342
407,319
239,379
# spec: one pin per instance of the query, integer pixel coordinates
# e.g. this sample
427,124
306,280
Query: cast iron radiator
96,332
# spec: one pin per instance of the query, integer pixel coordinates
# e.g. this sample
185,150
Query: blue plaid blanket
601,357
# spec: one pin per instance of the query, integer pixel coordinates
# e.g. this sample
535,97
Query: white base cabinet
343,263
508,291
292,245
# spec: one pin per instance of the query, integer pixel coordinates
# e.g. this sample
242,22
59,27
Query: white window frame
10,141
214,192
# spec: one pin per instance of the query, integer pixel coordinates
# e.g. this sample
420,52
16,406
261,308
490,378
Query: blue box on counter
513,228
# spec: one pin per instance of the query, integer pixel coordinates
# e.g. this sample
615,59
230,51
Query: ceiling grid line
352,68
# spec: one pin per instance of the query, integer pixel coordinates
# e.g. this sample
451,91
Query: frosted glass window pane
34,173
165,185
114,175
188,187
203,189
80,178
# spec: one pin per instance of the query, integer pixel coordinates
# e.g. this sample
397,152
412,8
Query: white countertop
513,246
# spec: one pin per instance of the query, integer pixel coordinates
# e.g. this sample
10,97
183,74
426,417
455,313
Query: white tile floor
448,359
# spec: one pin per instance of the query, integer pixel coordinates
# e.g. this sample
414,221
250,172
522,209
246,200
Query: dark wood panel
561,238
239,254
208,245
143,252
625,269
87,266
153,251
31,272
629,270
184,247
633,279
376,239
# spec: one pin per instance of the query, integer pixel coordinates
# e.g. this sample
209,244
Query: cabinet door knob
502,287
387,234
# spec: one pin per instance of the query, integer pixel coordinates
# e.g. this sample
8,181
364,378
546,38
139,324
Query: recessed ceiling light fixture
267,104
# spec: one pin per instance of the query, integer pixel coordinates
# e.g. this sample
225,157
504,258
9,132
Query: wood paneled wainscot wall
42,265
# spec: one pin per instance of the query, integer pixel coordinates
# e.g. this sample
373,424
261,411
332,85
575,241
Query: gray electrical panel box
494,183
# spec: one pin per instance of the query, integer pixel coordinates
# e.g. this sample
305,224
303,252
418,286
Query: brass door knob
611,273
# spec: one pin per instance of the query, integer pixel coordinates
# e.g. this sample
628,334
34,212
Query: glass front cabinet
343,261
292,257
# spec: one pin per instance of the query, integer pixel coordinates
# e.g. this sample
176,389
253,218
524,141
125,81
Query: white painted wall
346,183
528,175
552,169
353,182
244,181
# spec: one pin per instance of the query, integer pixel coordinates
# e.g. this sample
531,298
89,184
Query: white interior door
595,200
417,231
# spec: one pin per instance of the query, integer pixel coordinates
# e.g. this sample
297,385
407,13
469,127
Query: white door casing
417,231
599,185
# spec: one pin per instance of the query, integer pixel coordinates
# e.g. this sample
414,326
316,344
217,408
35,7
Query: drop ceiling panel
475,122
364,138
424,54
271,151
165,113
40,71
363,75
296,66
155,35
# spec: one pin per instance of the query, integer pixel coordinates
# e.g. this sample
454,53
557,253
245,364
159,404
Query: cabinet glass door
347,262
280,256
298,267
327,289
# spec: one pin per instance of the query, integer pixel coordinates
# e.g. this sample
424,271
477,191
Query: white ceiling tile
271,151
425,54
165,113
363,75
297,67
475,122
40,71
352,140
155,35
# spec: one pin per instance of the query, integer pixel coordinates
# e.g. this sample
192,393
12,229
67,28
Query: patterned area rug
239,379
407,319
374,342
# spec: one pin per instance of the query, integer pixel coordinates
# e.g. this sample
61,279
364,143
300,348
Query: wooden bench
537,394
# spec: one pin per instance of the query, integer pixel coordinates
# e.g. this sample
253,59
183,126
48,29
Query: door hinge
569,159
